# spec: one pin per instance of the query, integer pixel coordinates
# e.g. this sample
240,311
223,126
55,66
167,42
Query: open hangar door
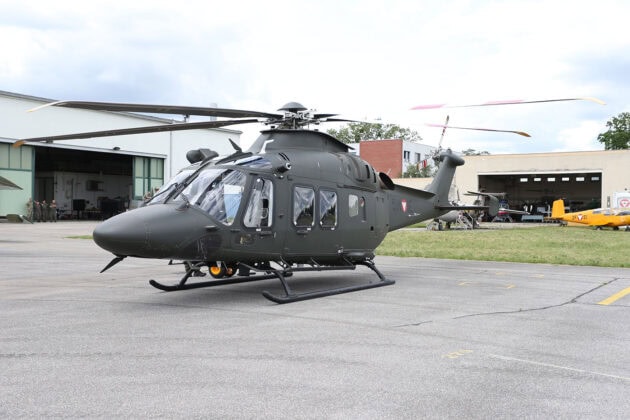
537,191
84,184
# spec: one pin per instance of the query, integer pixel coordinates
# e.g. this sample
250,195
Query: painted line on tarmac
551,365
615,297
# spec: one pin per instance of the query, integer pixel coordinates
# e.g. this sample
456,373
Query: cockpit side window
259,210
217,191
223,197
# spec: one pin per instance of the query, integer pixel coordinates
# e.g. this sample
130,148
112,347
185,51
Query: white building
81,174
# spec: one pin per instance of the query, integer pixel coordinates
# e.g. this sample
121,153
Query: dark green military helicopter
296,200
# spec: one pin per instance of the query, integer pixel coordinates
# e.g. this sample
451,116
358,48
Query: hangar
584,179
90,178
587,179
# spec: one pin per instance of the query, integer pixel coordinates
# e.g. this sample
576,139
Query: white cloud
362,58
581,138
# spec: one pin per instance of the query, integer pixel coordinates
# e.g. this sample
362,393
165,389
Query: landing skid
280,274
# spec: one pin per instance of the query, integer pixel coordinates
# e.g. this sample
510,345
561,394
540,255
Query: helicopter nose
125,234
155,231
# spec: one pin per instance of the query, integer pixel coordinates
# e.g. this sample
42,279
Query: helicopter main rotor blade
161,109
520,133
508,102
323,116
339,120
136,130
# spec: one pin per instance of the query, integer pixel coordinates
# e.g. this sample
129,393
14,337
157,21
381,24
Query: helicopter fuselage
264,205
271,203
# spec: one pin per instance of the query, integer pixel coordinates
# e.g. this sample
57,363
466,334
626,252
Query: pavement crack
516,311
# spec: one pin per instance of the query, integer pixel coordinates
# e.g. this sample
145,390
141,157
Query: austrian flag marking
403,203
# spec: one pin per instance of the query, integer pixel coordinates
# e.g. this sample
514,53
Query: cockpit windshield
167,189
217,191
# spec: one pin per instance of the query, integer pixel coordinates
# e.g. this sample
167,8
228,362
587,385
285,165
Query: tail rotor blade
443,132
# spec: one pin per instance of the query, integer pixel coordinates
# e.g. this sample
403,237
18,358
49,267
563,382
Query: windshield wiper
170,189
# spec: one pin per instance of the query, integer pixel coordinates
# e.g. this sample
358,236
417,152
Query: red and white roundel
403,203
624,202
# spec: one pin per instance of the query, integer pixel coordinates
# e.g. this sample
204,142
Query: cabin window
327,209
303,206
356,206
259,209
353,205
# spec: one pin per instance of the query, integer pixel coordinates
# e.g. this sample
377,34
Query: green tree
414,172
618,135
357,131
473,152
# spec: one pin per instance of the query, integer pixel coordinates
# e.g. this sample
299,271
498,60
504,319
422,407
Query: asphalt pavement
451,339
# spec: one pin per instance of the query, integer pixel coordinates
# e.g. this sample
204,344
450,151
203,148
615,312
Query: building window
16,157
148,176
406,155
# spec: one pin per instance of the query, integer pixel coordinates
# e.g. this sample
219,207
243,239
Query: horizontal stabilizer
463,207
510,211
486,194
414,192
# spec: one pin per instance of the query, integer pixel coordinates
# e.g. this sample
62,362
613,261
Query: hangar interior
91,184
536,192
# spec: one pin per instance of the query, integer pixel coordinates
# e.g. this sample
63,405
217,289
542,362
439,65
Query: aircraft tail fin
557,210
419,205
441,184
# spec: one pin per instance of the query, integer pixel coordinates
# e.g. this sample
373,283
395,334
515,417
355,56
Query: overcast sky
363,59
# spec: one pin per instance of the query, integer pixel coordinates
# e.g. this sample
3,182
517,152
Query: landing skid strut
245,275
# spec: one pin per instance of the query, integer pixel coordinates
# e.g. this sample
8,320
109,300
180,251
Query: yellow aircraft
596,217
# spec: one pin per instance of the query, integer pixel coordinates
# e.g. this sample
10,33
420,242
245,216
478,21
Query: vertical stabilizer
444,178
557,210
